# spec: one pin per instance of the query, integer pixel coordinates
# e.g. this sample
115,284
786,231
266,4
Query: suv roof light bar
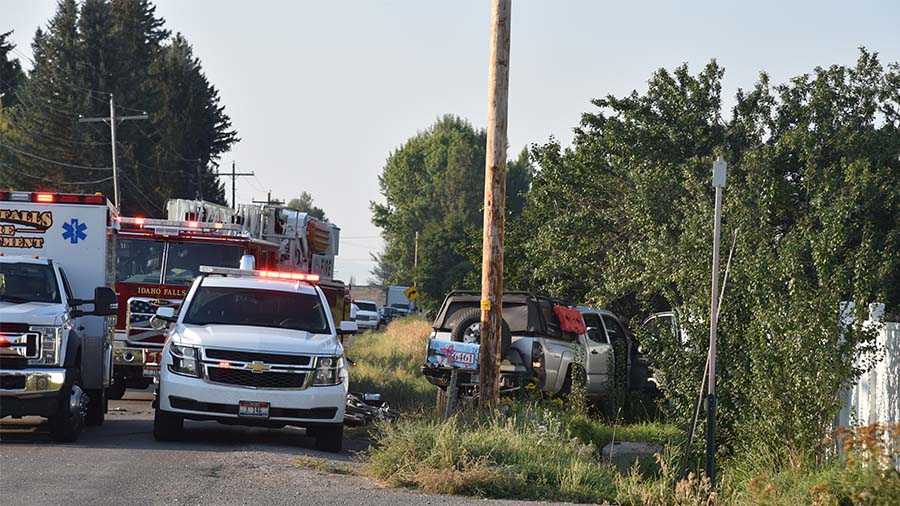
247,273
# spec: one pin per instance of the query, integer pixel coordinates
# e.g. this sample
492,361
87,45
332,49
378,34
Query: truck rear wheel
167,426
330,438
465,328
96,408
66,426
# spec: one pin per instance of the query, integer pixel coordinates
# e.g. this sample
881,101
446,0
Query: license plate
152,357
151,372
253,409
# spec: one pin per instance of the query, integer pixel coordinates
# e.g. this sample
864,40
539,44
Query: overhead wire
48,160
74,183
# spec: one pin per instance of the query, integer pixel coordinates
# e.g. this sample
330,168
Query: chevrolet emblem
257,367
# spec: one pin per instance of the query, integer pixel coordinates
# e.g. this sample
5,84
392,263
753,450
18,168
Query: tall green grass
523,456
388,362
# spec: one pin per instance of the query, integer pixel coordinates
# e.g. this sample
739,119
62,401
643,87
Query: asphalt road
119,463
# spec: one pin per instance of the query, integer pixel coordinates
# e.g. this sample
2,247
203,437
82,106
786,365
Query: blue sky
322,92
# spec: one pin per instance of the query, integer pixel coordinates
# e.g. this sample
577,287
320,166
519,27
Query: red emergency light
296,276
193,224
52,198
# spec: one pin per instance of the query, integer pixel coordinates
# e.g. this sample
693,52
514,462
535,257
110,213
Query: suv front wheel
329,438
167,426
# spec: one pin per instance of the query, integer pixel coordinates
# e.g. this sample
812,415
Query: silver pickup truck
534,348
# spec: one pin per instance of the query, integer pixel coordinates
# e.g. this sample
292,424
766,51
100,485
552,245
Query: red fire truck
156,261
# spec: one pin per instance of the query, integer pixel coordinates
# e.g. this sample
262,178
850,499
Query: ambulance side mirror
105,301
163,317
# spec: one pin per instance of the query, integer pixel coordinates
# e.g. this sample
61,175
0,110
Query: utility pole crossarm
112,120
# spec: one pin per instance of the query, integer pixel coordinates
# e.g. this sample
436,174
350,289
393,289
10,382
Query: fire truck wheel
96,408
116,390
66,426
330,438
167,426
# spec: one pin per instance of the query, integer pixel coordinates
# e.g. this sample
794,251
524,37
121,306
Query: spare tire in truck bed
462,322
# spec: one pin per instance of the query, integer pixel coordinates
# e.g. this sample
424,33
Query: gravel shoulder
120,464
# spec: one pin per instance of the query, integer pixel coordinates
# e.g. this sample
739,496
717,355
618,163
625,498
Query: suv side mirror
163,317
104,301
347,327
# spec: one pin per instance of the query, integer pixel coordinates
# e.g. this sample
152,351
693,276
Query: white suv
367,317
253,348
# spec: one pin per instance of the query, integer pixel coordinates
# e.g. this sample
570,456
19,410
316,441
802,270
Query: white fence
875,397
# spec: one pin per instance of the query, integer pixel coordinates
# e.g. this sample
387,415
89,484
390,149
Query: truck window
213,305
613,329
185,258
66,286
139,261
27,282
595,328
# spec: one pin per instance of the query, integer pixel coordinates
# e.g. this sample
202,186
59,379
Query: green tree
814,188
305,203
11,75
117,47
434,184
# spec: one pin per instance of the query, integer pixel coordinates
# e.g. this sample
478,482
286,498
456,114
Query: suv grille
242,377
247,356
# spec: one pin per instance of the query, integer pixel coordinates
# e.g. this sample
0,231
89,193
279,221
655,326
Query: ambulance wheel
96,408
66,426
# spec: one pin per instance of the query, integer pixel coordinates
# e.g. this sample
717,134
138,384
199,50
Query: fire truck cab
156,262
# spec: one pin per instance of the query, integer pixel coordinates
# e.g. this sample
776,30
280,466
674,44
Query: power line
41,158
75,183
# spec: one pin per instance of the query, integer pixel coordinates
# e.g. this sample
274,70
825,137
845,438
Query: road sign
412,293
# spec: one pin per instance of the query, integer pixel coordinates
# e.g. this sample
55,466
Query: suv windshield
367,306
26,282
257,308
185,258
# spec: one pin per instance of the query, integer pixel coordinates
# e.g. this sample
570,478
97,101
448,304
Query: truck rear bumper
30,392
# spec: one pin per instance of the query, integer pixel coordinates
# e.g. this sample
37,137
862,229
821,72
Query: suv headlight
185,360
49,346
328,371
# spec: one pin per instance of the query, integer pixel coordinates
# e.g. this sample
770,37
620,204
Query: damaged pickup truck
541,340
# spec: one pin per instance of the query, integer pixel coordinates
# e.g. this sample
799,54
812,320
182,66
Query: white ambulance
253,347
57,256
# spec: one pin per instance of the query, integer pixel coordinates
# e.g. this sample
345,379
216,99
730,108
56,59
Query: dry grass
389,362
323,465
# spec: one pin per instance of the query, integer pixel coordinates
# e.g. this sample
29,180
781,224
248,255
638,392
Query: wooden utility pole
494,205
234,175
113,122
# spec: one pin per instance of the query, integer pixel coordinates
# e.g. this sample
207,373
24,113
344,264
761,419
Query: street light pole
718,181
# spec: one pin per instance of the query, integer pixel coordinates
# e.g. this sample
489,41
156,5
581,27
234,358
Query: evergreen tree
117,47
